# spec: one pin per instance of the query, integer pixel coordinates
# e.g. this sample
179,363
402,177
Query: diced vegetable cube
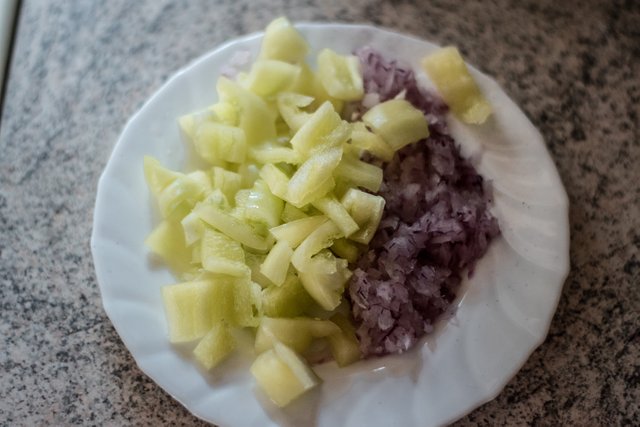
309,84
305,85
189,123
283,42
398,122
214,347
321,238
322,188
157,176
193,228
366,209
176,192
288,300
346,249
276,264
178,198
262,206
332,208
359,173
249,172
291,213
202,179
456,85
344,345
193,308
270,76
256,118
271,153
216,141
295,333
362,138
340,75
217,199
226,112
294,232
322,131
324,276
282,374
277,180
290,106
167,241
241,199
232,227
226,181
254,261
221,254
247,303
306,185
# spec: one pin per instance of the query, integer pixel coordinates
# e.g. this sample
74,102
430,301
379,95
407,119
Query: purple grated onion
436,223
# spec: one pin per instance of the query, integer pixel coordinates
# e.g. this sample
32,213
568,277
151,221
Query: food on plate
214,347
456,85
397,122
436,224
334,219
283,374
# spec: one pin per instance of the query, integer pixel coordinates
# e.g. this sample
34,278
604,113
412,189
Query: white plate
503,315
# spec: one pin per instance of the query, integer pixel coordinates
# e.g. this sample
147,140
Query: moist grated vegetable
436,223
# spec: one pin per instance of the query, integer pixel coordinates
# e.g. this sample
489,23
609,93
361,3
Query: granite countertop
80,69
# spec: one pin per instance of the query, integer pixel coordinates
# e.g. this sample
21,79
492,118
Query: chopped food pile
436,224
335,217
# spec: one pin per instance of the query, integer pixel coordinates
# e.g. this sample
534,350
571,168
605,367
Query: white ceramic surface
503,315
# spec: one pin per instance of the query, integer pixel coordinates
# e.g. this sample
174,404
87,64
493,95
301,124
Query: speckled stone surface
80,69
